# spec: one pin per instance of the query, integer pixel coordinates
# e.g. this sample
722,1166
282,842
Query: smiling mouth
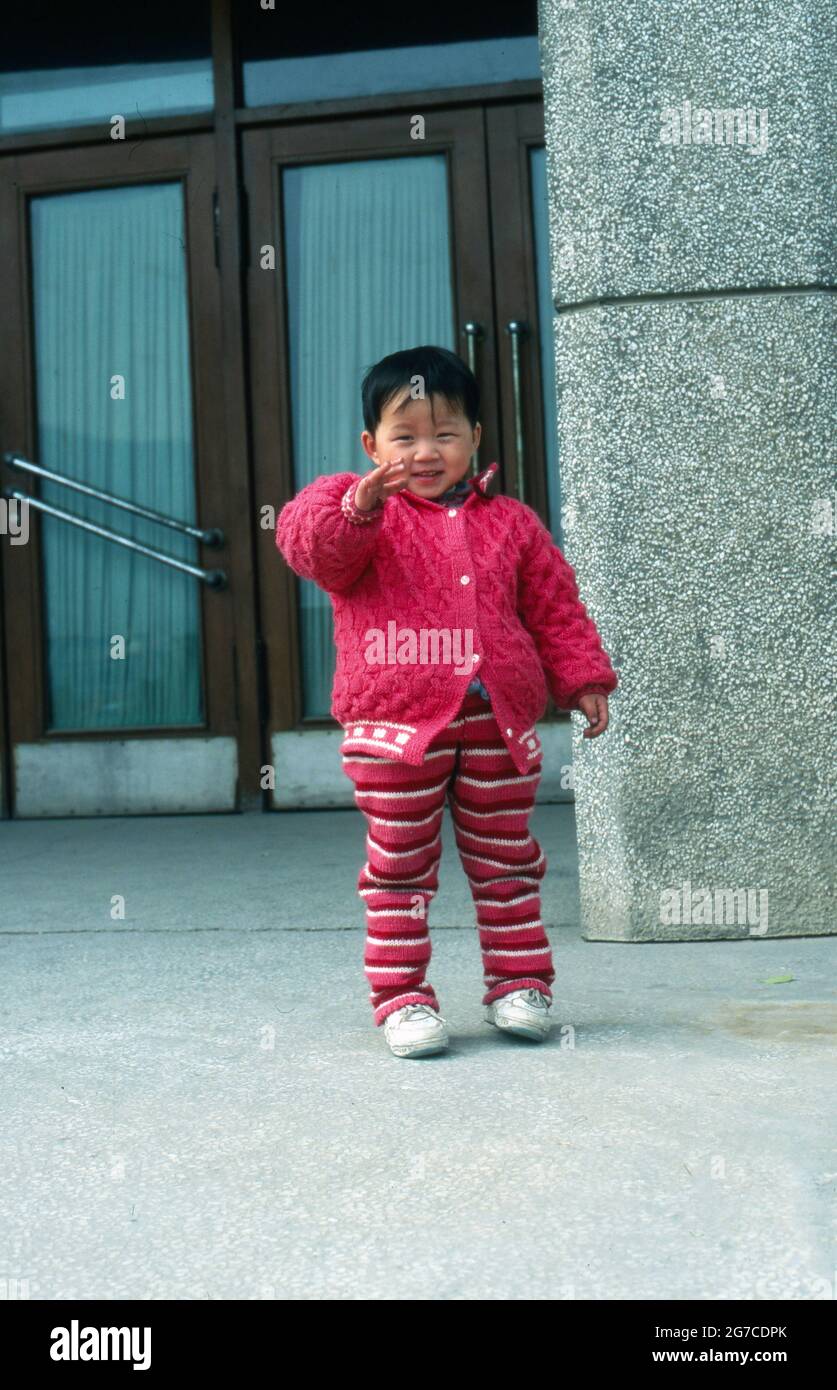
434,473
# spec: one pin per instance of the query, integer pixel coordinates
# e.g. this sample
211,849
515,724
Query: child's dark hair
443,374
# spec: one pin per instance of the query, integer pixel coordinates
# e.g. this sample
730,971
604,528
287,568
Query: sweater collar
479,486
482,482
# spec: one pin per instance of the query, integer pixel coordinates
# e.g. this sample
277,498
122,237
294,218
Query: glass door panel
368,272
114,411
382,242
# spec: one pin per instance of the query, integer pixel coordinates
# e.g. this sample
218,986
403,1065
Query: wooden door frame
225,123
189,161
511,131
459,134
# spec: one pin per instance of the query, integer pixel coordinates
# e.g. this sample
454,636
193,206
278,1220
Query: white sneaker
415,1031
523,1011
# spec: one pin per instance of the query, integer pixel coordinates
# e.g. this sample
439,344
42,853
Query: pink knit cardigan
412,563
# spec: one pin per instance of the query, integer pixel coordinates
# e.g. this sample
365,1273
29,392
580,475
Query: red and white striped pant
490,802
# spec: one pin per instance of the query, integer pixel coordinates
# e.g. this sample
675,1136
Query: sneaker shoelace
537,997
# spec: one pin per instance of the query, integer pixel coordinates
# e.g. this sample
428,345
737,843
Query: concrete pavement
196,1105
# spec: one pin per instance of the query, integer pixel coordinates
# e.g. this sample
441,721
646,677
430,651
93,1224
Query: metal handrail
214,579
213,537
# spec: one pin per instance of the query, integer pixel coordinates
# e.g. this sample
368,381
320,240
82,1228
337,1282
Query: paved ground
196,1105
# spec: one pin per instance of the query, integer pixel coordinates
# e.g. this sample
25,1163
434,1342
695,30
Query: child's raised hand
380,482
594,709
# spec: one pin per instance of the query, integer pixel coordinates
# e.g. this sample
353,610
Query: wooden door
357,234
120,667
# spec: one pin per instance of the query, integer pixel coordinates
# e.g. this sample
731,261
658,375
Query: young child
433,580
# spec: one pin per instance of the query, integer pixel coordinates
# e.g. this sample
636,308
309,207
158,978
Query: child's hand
594,709
380,482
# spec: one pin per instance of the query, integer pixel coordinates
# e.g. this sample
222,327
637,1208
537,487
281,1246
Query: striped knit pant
468,765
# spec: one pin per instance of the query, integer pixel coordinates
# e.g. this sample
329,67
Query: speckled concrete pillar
689,231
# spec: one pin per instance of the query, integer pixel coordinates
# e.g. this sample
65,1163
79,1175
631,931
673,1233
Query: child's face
442,446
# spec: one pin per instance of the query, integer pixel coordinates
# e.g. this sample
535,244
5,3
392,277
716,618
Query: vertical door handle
516,330
472,332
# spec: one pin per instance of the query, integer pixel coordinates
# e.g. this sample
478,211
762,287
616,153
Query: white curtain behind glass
110,298
368,273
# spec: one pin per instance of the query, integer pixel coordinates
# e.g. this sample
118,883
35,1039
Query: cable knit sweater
454,497
412,563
